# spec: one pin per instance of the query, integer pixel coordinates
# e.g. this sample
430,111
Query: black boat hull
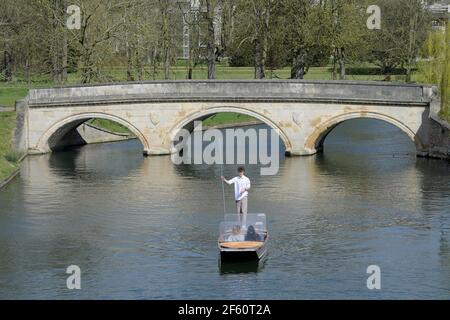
229,255
235,256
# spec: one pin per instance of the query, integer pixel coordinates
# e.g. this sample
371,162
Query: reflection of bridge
304,112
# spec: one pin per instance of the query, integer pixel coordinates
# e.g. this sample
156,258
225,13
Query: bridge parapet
349,92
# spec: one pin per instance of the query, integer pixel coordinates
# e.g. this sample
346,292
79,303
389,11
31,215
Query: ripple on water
144,228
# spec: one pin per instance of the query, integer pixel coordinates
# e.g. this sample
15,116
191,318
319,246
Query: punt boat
243,240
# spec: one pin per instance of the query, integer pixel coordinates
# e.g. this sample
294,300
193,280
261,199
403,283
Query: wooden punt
243,250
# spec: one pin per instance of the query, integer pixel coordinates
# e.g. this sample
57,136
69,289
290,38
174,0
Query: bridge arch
203,114
60,128
315,140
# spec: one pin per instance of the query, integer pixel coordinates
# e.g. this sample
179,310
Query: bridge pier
156,152
302,152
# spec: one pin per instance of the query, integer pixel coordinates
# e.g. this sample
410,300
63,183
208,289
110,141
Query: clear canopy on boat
233,229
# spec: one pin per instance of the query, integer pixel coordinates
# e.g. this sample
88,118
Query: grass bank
227,118
222,118
9,159
18,88
109,125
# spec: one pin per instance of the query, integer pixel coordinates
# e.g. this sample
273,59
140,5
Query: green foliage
445,80
433,51
8,158
435,68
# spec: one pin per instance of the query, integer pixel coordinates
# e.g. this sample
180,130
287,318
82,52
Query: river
144,228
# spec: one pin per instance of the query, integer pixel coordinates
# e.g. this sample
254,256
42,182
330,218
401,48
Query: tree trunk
165,38
139,66
8,62
57,44
408,72
334,72
298,69
342,72
411,51
87,71
262,17
129,63
65,48
259,60
211,44
55,60
166,64
27,70
65,57
189,63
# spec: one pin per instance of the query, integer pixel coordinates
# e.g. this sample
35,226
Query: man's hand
222,177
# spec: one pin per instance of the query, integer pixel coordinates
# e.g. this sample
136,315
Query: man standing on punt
241,188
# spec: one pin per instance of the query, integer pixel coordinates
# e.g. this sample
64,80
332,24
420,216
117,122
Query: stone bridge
303,112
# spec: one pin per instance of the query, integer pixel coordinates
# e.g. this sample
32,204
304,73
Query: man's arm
231,181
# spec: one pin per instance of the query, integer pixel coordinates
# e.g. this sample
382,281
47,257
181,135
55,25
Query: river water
144,228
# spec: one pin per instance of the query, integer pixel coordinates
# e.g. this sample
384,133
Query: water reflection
241,267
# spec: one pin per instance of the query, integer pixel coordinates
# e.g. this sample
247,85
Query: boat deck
242,245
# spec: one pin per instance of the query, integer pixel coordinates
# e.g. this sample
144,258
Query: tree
9,29
261,19
405,24
346,21
210,11
100,23
254,26
23,38
303,28
191,34
166,9
138,37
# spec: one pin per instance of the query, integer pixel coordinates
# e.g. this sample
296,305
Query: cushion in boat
242,244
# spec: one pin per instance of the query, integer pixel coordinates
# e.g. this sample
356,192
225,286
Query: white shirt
239,185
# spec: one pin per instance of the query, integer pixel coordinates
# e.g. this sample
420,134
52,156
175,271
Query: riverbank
9,159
